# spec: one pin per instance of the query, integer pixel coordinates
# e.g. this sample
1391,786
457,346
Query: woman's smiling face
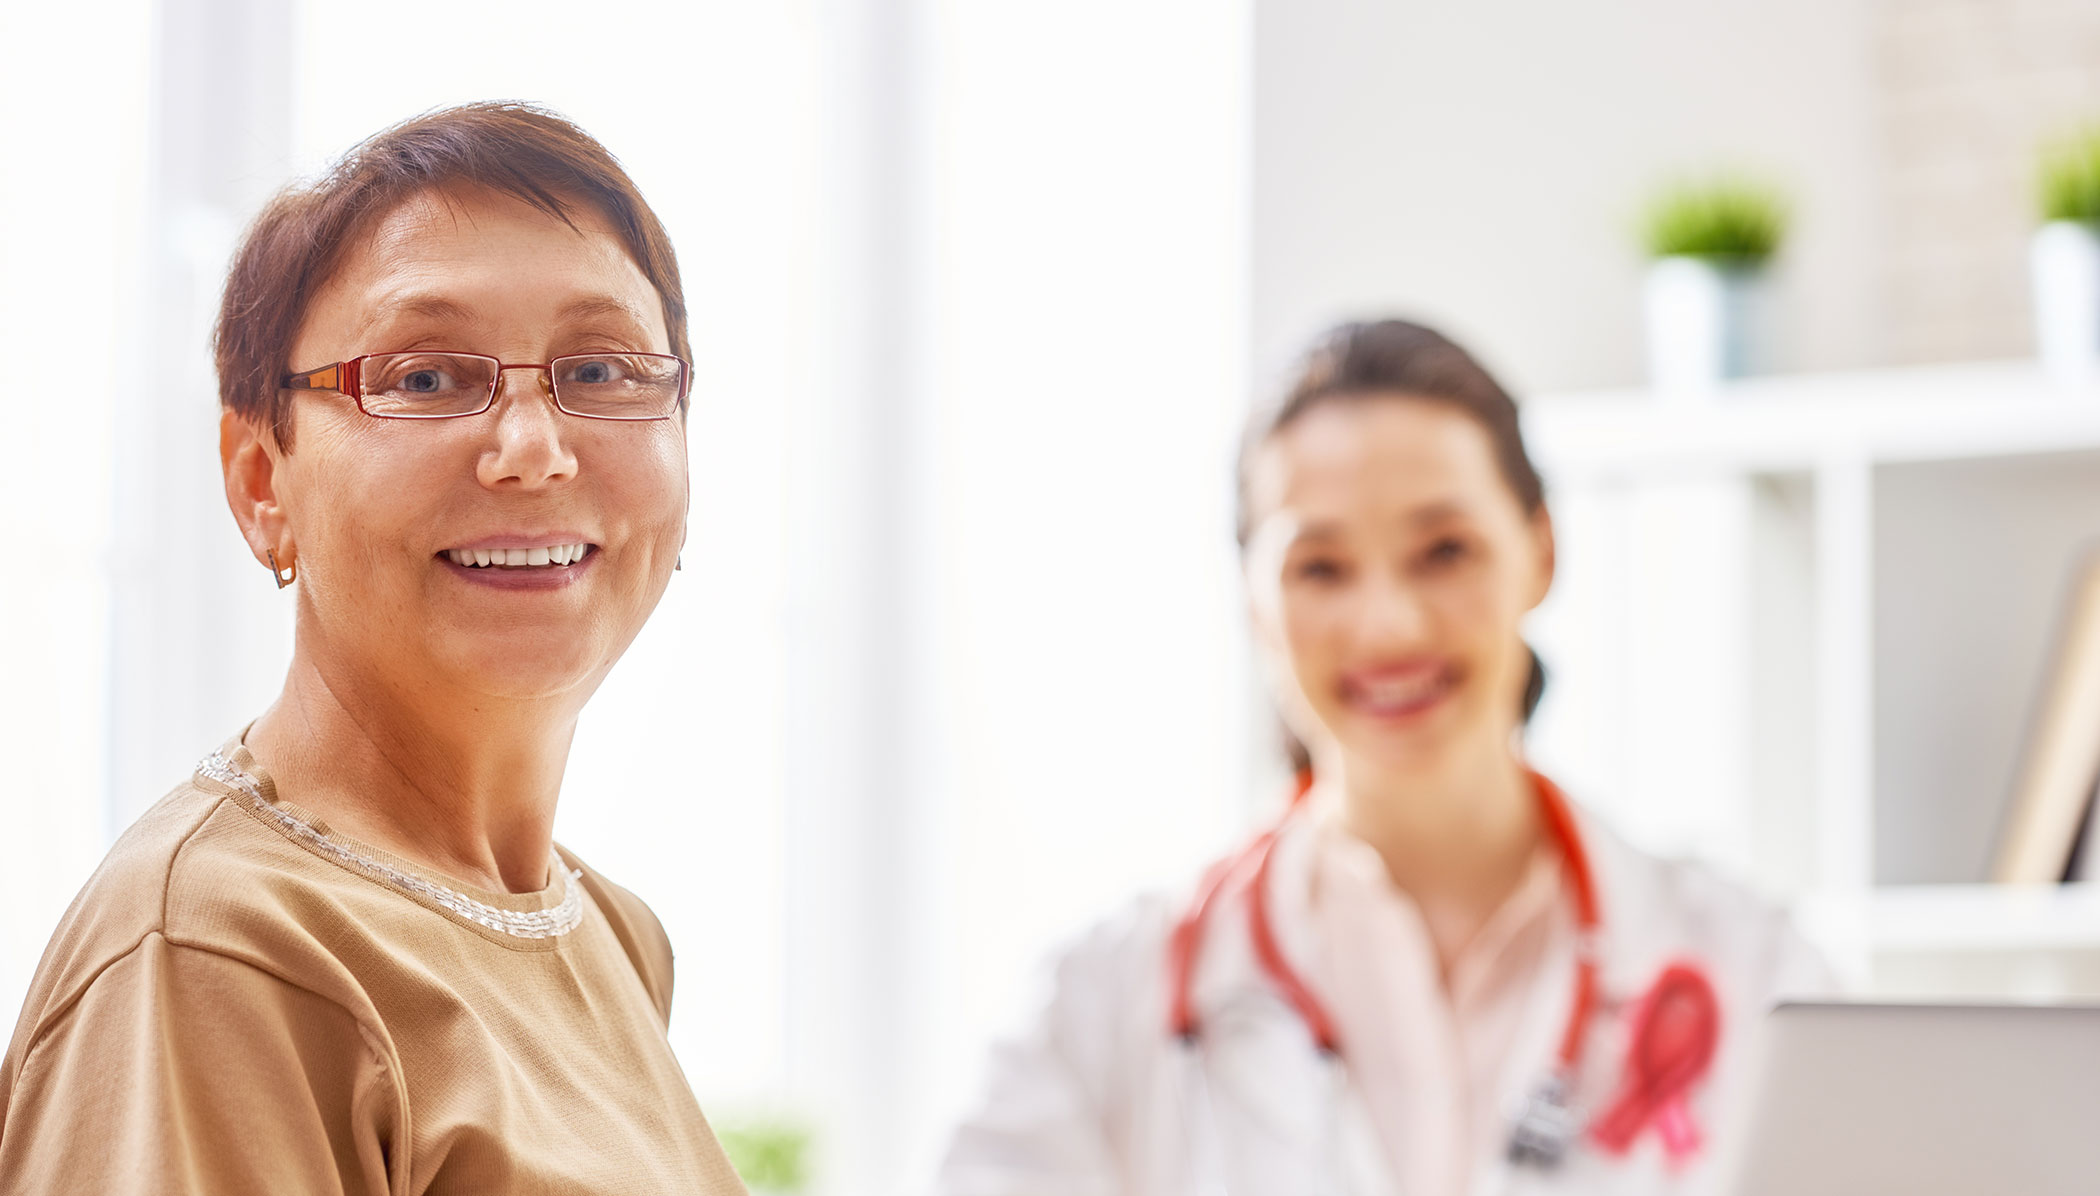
1390,566
383,511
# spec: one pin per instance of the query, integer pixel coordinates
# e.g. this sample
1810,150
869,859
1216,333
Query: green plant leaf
1727,219
2068,178
768,1155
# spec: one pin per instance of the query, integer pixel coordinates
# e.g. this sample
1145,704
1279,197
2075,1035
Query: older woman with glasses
346,955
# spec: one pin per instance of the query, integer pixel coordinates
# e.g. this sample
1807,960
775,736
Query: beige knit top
234,1004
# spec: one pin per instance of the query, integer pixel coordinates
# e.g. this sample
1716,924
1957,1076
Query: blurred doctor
1431,974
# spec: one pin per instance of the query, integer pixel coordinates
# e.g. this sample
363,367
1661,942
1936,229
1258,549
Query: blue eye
597,371
425,384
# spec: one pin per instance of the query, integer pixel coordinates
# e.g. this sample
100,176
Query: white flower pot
2065,262
1705,324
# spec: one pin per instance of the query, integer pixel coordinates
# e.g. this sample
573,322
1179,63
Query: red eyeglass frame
345,378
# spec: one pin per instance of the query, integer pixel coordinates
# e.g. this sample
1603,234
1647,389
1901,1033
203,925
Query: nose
1393,614
530,448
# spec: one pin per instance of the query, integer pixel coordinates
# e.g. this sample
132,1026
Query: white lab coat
1093,1097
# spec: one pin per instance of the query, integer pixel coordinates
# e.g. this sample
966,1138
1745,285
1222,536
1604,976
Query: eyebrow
596,306
427,307
1437,512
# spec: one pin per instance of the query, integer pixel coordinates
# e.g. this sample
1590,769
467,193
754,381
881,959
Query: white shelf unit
1799,629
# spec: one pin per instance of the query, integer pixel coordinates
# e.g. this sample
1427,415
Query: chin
1425,748
1384,756
518,672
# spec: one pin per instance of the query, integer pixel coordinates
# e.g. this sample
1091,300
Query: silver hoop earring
284,577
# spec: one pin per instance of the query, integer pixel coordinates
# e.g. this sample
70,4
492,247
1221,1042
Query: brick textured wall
1969,90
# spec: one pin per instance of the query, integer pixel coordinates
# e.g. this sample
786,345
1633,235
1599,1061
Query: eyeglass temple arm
328,377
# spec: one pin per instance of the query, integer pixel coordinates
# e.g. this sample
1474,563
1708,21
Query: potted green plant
2064,257
771,1154
1710,244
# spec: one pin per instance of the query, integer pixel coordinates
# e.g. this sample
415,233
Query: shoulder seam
45,1024
65,1004
167,883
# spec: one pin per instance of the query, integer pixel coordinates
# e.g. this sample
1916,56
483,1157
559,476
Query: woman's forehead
1391,457
481,259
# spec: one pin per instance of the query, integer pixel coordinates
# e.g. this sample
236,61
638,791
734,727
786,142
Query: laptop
1925,1100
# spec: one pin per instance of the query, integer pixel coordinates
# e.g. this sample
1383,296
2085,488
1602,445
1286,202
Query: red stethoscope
1675,1027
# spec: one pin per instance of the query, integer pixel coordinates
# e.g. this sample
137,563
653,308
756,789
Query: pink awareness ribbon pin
1676,1028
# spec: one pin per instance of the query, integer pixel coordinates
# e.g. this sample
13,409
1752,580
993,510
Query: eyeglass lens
604,385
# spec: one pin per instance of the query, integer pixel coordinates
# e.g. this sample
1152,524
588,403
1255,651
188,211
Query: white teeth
1401,693
518,558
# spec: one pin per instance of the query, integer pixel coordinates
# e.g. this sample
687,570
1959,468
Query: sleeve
1041,1122
180,1070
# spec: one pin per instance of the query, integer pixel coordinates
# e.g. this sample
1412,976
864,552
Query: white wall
198,634
71,221
1483,165
1078,618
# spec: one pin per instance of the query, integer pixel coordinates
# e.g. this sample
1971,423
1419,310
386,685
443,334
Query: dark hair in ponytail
1383,359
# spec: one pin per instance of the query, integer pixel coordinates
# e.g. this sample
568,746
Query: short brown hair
295,245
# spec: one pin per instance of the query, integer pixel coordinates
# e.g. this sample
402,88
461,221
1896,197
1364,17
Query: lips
1401,691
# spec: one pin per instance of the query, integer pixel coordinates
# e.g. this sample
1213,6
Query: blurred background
981,292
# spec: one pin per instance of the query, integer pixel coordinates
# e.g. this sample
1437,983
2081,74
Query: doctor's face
1389,569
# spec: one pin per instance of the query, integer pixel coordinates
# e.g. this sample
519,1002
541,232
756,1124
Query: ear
1543,556
249,458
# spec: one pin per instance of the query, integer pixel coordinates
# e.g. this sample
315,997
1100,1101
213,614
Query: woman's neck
471,799
1457,840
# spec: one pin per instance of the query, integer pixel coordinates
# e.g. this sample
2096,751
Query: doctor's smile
1397,692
